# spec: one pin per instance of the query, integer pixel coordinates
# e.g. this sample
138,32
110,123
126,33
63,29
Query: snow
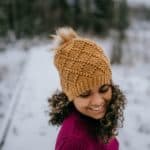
29,127
135,82
32,77
11,63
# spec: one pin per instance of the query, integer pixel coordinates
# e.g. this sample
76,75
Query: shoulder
113,143
73,134
73,126
72,143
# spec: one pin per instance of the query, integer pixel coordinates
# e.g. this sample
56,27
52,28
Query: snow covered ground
136,83
29,127
28,88
11,64
13,57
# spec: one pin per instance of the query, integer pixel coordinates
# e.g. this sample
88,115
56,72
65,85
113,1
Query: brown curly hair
105,128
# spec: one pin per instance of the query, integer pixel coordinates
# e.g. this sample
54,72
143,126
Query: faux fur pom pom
62,36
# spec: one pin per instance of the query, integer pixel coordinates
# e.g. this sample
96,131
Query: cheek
108,95
80,103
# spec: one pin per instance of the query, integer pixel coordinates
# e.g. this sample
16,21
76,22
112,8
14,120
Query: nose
97,100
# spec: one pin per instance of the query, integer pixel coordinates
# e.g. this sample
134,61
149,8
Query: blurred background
28,76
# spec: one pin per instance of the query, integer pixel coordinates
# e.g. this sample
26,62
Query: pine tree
60,12
104,15
87,16
121,24
75,14
123,18
3,18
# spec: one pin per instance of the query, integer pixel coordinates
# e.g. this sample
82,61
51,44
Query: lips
97,109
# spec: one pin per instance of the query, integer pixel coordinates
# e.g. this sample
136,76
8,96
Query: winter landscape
28,77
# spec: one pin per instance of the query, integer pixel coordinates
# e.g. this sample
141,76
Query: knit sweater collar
89,123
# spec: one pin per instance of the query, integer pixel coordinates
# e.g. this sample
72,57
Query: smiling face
93,103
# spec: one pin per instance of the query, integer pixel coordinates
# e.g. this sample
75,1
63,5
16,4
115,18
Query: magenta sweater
74,135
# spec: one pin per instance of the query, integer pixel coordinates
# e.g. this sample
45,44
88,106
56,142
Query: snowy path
12,62
29,129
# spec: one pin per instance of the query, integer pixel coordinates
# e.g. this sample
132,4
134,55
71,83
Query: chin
99,116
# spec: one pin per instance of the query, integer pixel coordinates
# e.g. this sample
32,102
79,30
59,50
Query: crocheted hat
81,63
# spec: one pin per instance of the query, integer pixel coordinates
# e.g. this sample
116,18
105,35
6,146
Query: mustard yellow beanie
81,64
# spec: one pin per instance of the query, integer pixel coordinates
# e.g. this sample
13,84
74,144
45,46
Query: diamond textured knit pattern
82,65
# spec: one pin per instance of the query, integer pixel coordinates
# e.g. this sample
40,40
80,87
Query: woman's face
93,103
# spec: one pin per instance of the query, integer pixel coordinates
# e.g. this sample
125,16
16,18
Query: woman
90,107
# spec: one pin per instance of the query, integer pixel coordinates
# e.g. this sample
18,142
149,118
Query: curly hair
104,128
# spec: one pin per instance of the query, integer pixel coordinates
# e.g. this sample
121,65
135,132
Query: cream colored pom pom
62,36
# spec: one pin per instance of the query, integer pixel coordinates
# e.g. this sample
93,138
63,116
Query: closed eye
104,88
85,94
